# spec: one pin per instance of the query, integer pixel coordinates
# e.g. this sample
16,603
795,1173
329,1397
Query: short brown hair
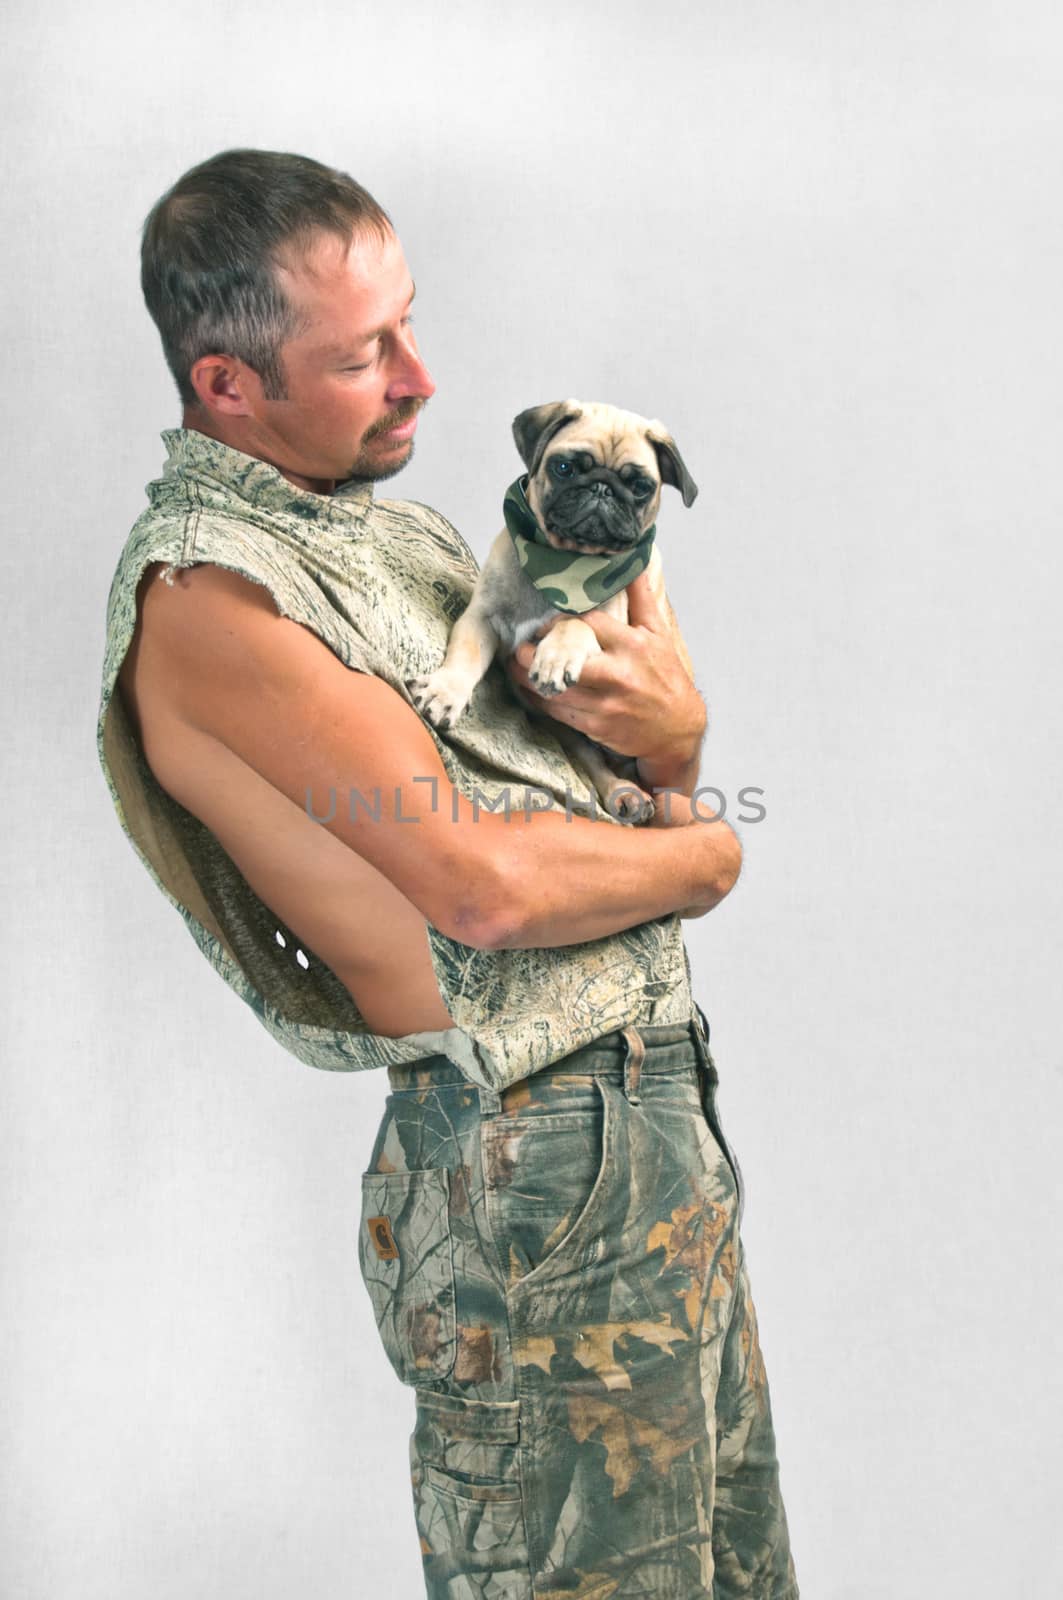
209,251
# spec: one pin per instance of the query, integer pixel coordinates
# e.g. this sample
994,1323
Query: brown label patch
382,1237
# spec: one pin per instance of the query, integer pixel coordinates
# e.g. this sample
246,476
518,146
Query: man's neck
201,421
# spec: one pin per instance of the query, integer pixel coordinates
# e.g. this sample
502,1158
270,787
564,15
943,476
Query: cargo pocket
465,1471
404,1251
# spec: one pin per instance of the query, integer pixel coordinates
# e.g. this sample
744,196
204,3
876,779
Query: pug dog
579,527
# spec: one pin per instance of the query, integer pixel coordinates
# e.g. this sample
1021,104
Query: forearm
571,880
679,764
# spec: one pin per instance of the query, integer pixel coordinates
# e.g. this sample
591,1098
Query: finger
519,661
644,608
609,633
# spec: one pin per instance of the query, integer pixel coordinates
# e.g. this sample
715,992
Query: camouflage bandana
568,580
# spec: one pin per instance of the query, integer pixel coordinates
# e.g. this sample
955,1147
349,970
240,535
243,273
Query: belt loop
636,1055
490,1102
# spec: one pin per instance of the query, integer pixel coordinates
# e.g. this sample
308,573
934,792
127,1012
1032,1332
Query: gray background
824,243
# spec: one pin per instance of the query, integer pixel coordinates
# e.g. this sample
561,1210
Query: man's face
354,376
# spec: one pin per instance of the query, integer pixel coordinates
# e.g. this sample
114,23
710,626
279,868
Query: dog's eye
642,488
560,467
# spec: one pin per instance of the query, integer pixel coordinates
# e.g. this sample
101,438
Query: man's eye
561,468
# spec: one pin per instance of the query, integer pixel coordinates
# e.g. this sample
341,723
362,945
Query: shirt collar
263,485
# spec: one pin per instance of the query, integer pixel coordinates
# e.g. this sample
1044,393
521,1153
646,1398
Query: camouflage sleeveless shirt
381,583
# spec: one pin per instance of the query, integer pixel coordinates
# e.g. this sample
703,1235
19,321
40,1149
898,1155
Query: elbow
729,862
469,924
478,908
504,932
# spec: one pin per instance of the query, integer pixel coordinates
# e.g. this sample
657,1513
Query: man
550,1219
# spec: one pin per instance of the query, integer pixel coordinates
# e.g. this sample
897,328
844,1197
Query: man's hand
635,697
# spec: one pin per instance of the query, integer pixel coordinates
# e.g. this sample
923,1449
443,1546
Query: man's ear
534,428
670,462
221,385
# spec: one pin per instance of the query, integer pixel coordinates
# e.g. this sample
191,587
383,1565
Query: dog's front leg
442,695
562,654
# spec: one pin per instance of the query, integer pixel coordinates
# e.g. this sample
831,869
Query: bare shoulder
169,606
172,603
171,612
213,657
204,629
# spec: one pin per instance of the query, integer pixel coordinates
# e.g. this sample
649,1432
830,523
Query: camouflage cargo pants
558,1273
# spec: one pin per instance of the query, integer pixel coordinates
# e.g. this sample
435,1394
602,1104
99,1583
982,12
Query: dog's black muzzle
598,511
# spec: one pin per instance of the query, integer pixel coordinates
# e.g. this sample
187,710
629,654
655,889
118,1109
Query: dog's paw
559,659
439,696
628,803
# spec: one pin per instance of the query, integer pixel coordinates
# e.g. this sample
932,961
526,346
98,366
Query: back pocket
405,1255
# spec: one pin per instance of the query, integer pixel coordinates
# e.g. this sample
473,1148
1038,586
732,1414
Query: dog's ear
671,463
534,428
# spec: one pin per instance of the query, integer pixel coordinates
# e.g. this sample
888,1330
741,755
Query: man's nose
411,376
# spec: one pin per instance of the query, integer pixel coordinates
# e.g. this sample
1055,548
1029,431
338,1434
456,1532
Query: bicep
343,746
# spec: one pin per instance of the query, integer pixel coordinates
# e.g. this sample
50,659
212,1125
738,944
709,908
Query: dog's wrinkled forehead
618,439
610,436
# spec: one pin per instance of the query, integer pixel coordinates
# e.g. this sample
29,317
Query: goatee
378,474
